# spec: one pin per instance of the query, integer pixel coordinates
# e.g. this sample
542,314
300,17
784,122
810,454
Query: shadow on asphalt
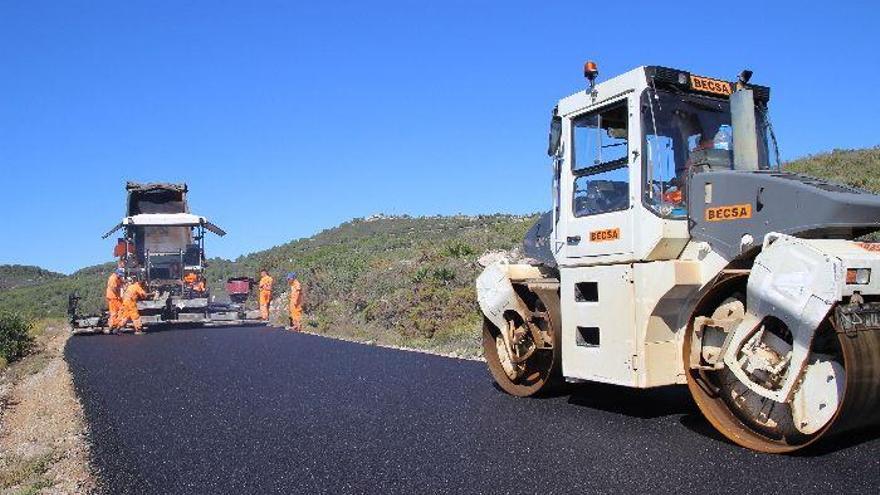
698,424
633,402
676,400
840,442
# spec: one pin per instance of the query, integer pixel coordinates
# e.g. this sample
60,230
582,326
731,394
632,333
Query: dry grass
42,442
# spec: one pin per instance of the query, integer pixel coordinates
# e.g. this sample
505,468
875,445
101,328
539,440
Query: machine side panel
726,205
598,332
664,291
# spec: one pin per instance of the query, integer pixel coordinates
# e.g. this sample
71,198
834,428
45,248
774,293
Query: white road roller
678,252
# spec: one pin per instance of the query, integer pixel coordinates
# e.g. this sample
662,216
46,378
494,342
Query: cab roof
656,76
166,220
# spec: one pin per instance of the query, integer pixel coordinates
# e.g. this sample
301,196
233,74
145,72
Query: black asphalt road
258,410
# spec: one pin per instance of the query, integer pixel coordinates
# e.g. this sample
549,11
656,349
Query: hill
857,168
14,276
48,297
395,280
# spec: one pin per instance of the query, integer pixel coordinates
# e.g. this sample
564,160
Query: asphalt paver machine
678,252
163,246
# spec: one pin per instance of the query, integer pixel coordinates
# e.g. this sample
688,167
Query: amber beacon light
591,71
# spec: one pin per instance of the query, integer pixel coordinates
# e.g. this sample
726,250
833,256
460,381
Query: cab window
681,131
601,192
600,138
599,162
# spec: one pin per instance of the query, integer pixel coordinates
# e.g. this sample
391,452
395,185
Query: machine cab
623,150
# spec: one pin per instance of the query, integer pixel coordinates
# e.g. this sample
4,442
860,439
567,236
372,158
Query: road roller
678,251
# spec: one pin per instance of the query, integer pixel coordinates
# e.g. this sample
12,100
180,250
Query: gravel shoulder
43,446
453,355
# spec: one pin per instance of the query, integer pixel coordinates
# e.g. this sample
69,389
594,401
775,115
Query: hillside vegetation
399,281
395,280
857,168
49,298
14,276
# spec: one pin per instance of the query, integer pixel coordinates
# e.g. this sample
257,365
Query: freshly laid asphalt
261,410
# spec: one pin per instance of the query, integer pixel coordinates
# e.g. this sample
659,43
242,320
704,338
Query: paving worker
195,282
296,301
199,286
133,293
113,294
265,293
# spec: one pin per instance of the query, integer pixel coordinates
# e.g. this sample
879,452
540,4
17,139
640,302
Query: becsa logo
732,212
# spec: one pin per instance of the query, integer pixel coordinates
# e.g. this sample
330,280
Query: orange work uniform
296,310
195,282
133,293
265,295
114,299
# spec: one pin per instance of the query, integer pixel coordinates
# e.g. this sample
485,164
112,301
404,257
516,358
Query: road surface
260,410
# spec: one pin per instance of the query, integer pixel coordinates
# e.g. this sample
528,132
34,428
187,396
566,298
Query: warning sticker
732,212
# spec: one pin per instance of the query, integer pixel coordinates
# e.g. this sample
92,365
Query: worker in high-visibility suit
195,282
265,287
296,301
133,293
199,286
113,294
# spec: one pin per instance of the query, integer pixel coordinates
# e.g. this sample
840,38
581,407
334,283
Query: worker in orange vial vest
195,282
265,293
133,293
113,295
296,300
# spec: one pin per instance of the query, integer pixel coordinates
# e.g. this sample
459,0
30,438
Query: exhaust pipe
745,129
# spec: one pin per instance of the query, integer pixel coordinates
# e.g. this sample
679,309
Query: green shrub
15,335
421,274
458,249
443,274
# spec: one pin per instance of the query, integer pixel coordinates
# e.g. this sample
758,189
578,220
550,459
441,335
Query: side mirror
555,134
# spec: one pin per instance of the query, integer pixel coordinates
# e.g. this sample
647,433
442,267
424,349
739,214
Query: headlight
858,276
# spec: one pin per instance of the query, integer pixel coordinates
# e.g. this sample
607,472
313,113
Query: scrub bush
15,336
458,249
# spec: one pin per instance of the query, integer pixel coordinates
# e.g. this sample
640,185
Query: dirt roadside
43,447
451,355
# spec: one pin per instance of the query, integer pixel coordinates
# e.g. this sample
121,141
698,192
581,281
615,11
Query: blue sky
288,118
